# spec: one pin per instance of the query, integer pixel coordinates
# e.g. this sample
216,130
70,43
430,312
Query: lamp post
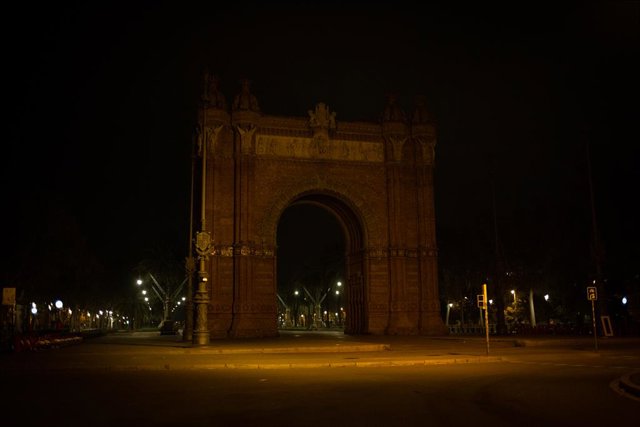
546,308
34,317
204,242
57,314
203,246
339,301
295,311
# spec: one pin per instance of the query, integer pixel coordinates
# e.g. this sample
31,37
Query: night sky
101,97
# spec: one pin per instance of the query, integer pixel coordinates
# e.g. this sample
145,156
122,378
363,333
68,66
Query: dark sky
102,98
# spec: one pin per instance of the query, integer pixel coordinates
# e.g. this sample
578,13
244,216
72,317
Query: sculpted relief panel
317,148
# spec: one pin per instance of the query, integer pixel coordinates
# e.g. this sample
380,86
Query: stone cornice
400,252
228,250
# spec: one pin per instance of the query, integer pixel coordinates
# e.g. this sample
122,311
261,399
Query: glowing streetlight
58,304
546,297
624,300
139,282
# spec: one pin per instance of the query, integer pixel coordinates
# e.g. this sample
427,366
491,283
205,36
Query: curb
349,364
338,348
628,386
382,363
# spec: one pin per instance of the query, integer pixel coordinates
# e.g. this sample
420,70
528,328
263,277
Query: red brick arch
371,176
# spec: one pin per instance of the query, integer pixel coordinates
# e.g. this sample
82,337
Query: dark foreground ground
323,379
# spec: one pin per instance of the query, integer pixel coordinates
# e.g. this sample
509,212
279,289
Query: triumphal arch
375,177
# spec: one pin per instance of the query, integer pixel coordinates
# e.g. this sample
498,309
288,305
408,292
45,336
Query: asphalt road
561,385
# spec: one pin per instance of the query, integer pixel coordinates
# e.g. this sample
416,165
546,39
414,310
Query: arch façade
375,177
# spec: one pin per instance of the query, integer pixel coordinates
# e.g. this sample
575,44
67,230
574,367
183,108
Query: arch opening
319,266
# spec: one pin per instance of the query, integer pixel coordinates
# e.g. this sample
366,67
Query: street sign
592,293
481,302
8,296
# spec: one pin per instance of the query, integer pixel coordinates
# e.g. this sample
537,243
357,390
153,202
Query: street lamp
548,309
513,292
204,240
295,309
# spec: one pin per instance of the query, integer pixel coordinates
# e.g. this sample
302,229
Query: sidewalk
320,349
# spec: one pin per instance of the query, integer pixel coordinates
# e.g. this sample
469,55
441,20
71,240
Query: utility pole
597,249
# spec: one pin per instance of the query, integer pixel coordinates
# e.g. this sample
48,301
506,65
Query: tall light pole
203,247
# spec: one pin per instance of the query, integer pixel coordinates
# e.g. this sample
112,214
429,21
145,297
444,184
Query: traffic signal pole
486,314
592,295
483,304
593,316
